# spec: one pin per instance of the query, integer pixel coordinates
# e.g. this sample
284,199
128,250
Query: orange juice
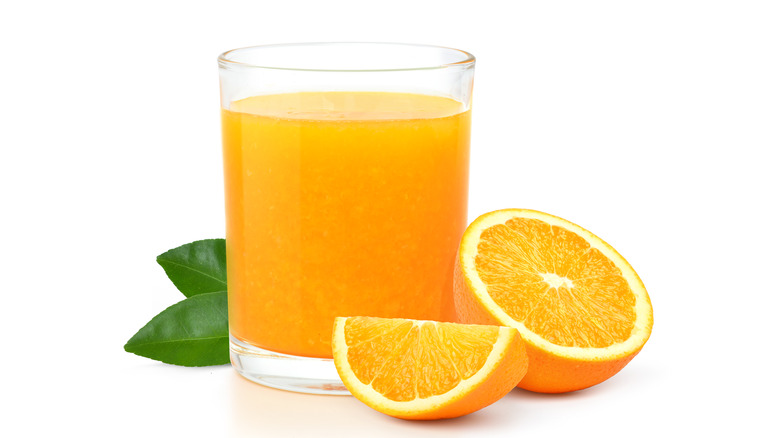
341,204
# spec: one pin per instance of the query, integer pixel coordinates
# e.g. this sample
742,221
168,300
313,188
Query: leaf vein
178,340
205,274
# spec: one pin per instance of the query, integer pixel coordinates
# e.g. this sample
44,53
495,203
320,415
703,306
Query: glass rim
225,61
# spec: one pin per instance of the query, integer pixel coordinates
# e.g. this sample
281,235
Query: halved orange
426,370
579,306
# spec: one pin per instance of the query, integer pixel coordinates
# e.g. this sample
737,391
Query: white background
653,124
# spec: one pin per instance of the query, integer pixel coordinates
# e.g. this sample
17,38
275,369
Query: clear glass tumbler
346,184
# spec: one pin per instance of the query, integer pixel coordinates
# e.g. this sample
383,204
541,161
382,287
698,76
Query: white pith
643,310
555,280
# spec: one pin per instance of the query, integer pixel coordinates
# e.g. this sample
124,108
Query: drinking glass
346,184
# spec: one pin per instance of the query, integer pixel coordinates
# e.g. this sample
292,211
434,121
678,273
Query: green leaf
196,268
192,332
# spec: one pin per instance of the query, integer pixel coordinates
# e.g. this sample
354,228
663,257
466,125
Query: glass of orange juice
346,184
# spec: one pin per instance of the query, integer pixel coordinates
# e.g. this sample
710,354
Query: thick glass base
283,371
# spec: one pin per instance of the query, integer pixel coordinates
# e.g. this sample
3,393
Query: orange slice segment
426,370
581,308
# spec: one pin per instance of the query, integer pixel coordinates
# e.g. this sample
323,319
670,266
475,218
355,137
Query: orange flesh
341,203
427,359
552,281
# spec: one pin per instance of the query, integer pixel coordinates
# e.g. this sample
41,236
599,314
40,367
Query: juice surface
341,204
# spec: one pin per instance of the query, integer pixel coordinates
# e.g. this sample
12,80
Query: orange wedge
579,306
426,370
